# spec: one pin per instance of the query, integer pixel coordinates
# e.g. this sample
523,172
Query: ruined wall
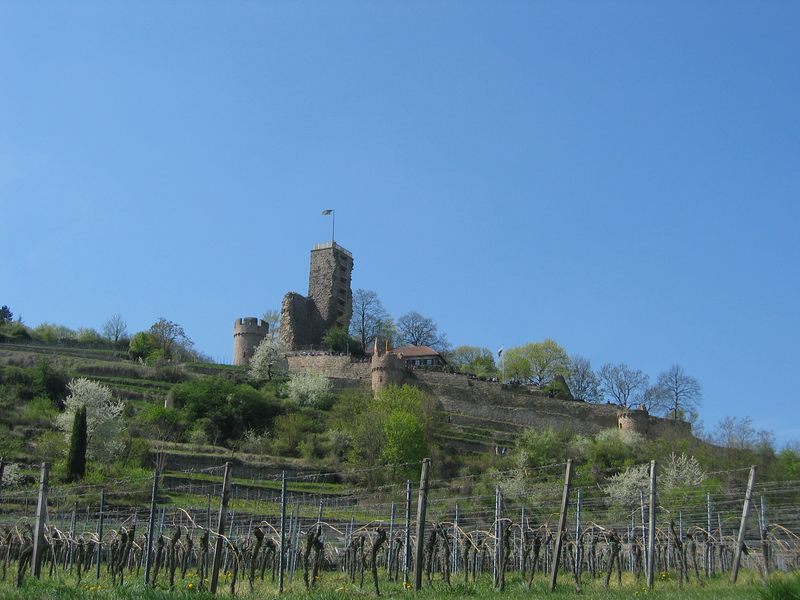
301,323
305,319
335,367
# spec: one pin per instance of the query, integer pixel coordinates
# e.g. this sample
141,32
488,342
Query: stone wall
335,367
486,400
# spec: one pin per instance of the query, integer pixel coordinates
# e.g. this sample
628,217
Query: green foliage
289,432
10,444
5,314
337,339
142,345
404,438
14,333
781,587
473,360
557,389
542,447
229,408
50,382
160,423
40,410
540,362
611,449
393,428
76,459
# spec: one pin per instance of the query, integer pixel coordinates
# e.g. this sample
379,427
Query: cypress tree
76,460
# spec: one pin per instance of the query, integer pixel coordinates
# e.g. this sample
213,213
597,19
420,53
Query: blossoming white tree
308,389
103,417
269,359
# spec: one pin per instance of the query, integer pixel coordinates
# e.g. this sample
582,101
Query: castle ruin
305,319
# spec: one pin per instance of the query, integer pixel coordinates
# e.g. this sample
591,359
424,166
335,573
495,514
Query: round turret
387,369
633,420
248,333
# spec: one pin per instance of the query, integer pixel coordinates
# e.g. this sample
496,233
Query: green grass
335,586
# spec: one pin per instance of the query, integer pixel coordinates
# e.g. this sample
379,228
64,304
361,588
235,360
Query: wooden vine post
407,540
150,529
100,531
282,549
422,506
221,519
748,498
562,523
651,529
41,517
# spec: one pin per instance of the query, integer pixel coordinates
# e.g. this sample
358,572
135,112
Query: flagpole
333,229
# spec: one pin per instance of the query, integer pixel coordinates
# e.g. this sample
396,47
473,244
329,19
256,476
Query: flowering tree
680,471
308,389
103,422
269,359
12,476
625,488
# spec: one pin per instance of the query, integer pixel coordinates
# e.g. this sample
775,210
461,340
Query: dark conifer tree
76,460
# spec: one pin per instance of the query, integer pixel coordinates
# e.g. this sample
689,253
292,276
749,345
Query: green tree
336,339
78,440
474,360
5,315
172,339
539,362
142,345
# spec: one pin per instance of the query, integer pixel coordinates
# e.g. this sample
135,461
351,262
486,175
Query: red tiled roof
412,351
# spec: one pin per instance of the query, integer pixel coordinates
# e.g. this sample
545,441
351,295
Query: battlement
250,325
331,246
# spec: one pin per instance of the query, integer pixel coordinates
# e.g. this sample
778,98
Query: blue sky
619,176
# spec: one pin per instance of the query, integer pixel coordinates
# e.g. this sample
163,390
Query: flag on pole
326,212
500,353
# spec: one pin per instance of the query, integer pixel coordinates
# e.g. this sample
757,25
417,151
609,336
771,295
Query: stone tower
248,333
305,319
386,368
329,284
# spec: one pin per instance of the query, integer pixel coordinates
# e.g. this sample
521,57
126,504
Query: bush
336,339
290,430
230,408
14,333
309,389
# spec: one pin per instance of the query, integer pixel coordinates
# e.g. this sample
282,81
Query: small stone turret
634,420
386,368
248,333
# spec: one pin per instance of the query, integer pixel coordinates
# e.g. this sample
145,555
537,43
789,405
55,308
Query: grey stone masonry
305,319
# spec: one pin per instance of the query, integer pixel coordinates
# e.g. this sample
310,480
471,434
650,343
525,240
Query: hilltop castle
305,319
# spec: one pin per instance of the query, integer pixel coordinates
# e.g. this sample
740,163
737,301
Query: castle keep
305,319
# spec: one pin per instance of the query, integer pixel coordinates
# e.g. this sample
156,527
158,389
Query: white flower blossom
103,417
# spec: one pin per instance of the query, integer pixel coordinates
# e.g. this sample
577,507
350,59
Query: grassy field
335,586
